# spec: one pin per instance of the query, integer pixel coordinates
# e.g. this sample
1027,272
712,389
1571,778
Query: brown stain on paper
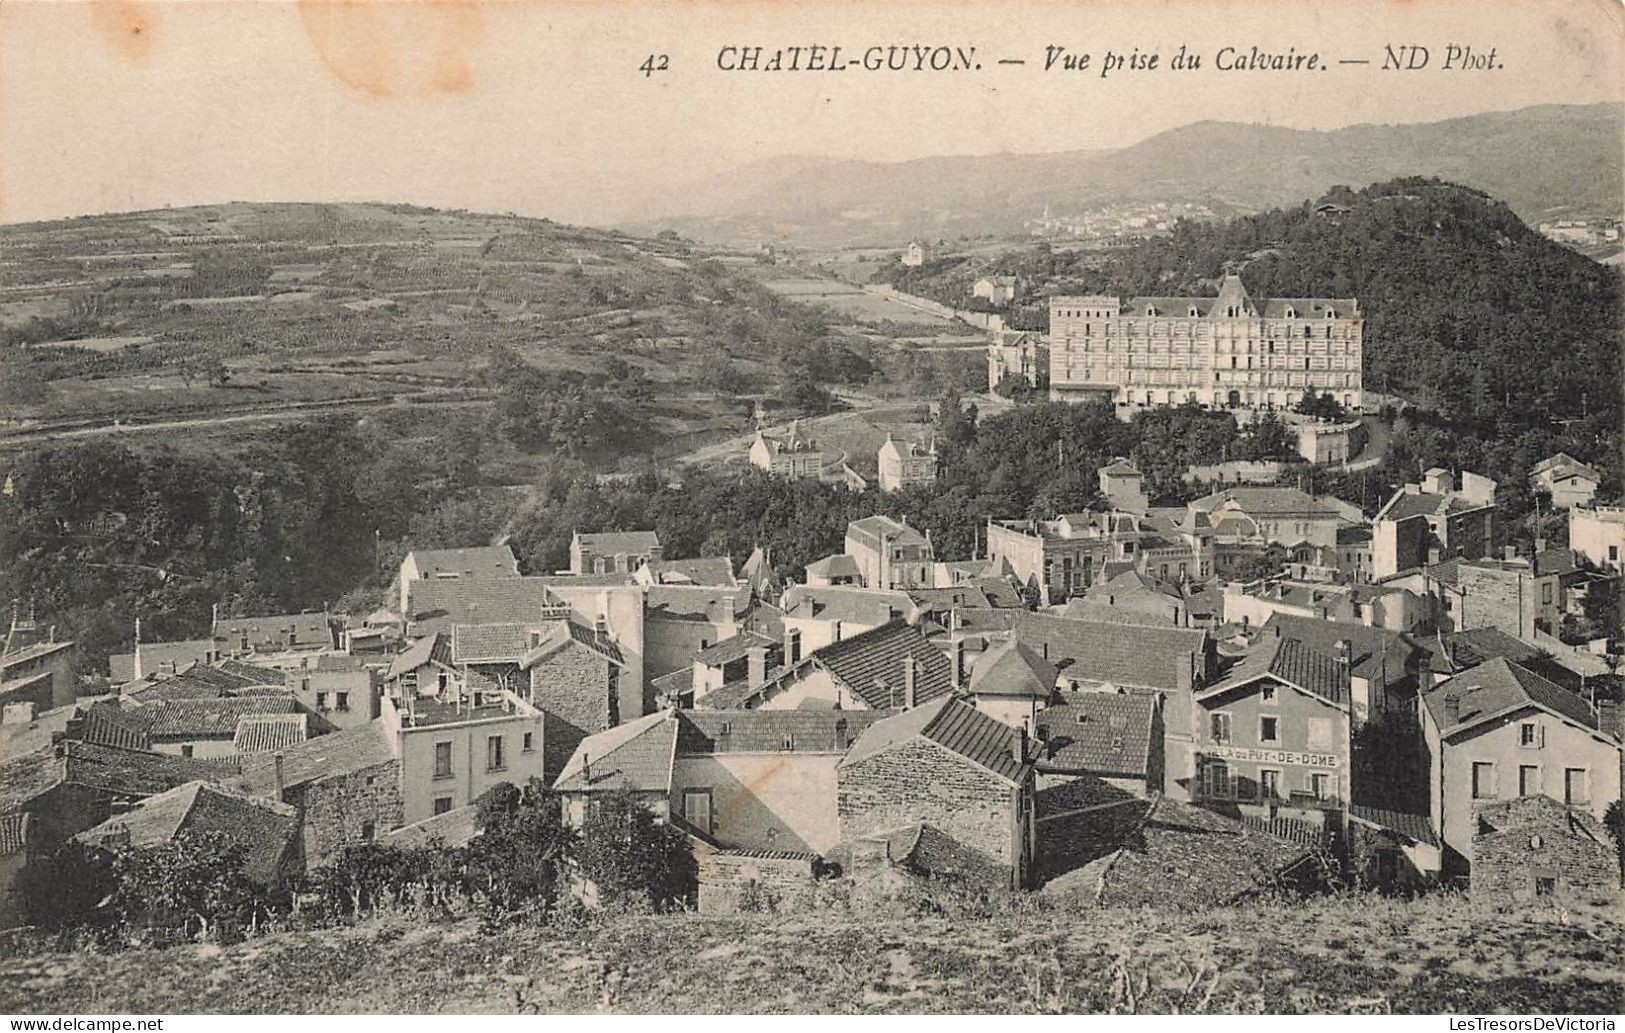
383,49
126,27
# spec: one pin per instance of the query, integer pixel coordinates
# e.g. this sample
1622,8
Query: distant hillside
1539,160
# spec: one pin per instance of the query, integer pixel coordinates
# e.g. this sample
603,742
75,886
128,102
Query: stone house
1499,731
681,620
42,673
1568,481
1433,521
890,667
947,765
1012,684
1124,485
273,634
441,564
789,456
452,749
890,554
906,465
1113,737
206,728
1534,846
337,691
266,830
613,552
997,291
1285,516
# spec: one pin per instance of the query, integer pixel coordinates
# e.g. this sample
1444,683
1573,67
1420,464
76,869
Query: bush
632,859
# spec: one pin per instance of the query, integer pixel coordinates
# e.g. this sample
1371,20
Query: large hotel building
1234,351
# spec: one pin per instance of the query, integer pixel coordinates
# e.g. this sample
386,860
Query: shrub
632,858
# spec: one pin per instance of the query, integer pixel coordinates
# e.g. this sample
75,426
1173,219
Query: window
697,809
1269,784
1221,727
304,684
186,750
1545,885
1576,786
1269,729
1266,692
1528,779
442,804
493,753
527,745
1320,785
1218,778
1483,780
442,760
321,701
341,701
1529,735
1546,593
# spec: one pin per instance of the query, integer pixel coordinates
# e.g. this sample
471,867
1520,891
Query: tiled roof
435,647
1012,669
1415,827
1497,686
455,828
338,753
484,560
696,602
845,603
437,604
1463,649
472,643
955,726
265,829
212,718
1111,613
13,833
108,724
1107,734
871,530
262,733
563,632
772,731
33,652
616,542
1166,854
733,648
110,769
271,632
1564,465
1267,501
936,600
673,684
1119,654
1120,468
1535,811
162,656
703,570
871,665
1371,650
634,757
1406,504
1290,660
837,565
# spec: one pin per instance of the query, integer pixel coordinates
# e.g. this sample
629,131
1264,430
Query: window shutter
1540,736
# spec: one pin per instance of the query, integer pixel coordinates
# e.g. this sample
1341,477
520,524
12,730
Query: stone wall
1496,599
1507,863
730,883
919,781
571,688
334,811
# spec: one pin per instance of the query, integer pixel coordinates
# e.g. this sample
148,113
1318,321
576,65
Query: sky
541,109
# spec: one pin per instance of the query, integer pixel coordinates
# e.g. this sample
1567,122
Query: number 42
654,63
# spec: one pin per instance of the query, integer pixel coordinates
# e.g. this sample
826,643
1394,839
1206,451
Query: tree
193,881
631,858
519,856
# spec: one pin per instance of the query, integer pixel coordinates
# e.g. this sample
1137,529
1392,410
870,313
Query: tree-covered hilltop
1470,314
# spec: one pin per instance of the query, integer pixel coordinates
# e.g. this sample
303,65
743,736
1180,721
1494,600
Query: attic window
789,742
1150,310
1291,313
727,727
1194,312
1331,313
1083,719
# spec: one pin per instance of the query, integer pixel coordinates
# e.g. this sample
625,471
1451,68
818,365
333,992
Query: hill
1542,161
1360,955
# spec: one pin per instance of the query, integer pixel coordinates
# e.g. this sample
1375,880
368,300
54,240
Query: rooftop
634,757
264,733
264,829
339,753
1107,734
1497,687
481,560
618,542
1118,654
210,718
1012,669
989,743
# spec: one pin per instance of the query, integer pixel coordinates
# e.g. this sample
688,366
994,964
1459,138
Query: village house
789,456
1522,596
906,465
890,667
1328,442
1384,667
426,666
707,571
451,750
1011,683
681,620
1124,486
913,255
949,766
745,658
837,570
1275,736
484,561
43,673
1499,731
997,291
890,554
1433,521
1534,846
276,635
1568,481
1019,355
1390,605
1285,516
150,658
337,691
1132,593
1098,746
267,831
1598,534
816,616
740,780
1057,559
206,728
613,552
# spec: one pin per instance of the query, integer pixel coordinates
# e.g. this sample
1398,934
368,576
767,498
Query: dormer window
1150,310
1291,313
1331,313
1193,312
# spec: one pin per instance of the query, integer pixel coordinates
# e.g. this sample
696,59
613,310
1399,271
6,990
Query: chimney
138,632
602,623
1511,552
958,660
835,630
1452,707
278,776
909,664
586,769
756,658
214,617
1018,749
1433,556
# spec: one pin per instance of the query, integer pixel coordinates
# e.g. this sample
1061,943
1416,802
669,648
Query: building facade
1232,351
905,465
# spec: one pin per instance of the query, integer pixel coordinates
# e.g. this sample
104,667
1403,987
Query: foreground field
1343,955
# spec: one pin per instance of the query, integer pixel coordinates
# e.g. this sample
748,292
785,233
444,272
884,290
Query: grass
1354,954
